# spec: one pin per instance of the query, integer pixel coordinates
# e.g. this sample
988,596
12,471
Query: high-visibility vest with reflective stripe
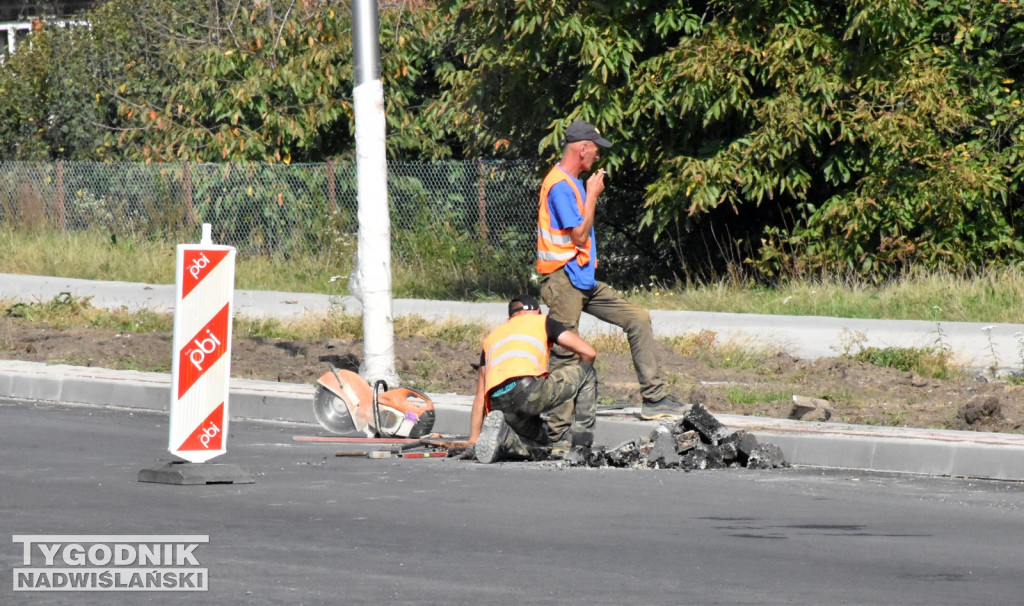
517,348
555,247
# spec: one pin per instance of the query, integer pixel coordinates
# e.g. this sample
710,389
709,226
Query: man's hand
595,185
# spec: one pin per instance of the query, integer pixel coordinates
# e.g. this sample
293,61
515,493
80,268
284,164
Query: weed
1017,376
704,345
609,343
952,420
450,331
425,368
141,365
743,396
895,418
142,321
744,356
941,342
927,361
849,341
261,328
993,367
342,326
934,362
838,393
692,343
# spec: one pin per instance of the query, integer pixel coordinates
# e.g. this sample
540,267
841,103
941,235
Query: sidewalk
932,452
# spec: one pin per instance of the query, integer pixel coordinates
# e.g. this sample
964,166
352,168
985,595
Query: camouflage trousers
572,387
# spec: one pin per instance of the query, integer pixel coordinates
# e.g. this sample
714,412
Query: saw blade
332,413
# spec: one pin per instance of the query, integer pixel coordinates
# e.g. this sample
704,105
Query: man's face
589,153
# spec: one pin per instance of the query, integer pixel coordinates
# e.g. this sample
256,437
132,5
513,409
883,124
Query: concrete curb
932,452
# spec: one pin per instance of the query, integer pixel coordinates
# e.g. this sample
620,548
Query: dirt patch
858,392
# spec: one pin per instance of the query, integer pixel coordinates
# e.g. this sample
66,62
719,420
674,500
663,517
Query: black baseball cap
522,303
581,130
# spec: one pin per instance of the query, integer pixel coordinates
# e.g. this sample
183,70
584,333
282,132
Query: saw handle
376,408
399,397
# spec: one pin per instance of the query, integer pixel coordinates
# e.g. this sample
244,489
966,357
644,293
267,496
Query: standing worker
567,260
514,384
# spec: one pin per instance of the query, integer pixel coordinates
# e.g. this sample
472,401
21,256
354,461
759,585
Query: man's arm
595,185
574,343
476,417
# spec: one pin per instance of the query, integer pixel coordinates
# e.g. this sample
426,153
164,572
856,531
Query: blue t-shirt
565,214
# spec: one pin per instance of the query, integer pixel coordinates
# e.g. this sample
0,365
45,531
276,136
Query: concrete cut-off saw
346,405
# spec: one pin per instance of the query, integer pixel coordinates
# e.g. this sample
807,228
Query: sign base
183,473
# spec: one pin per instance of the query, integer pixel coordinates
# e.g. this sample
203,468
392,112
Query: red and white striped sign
201,366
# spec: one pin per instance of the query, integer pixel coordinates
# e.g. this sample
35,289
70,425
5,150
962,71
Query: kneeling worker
514,385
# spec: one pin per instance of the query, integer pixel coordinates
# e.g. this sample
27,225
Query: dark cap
522,303
580,130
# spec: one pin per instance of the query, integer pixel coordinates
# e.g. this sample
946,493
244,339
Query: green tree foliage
858,136
211,81
25,90
268,81
47,108
852,136
247,81
923,144
60,93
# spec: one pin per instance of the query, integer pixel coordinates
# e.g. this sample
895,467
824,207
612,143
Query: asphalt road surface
320,529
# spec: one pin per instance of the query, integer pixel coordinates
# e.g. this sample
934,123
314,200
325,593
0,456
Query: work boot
578,455
492,437
668,406
579,452
561,448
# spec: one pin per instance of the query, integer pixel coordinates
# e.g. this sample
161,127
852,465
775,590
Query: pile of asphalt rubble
697,440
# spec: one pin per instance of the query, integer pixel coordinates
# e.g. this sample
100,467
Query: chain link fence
458,214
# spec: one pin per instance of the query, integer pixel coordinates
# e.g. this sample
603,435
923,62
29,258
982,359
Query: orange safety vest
517,348
555,247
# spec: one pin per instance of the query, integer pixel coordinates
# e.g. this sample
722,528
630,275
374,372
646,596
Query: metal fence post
332,194
186,185
59,210
482,200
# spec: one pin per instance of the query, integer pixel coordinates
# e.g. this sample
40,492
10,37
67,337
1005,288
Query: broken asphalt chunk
703,422
687,440
663,448
766,456
737,446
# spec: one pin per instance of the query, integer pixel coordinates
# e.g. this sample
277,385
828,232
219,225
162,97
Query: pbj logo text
203,350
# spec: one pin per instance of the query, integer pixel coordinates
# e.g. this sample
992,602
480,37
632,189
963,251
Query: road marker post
201,367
